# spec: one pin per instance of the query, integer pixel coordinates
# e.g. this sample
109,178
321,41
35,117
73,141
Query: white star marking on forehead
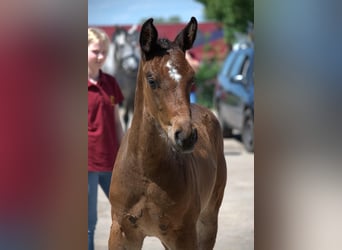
173,72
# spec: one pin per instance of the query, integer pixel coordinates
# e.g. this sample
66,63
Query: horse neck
121,72
138,99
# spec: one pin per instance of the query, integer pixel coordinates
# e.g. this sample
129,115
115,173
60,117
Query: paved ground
236,218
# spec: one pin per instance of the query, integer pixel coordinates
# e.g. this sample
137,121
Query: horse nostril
185,140
194,135
178,135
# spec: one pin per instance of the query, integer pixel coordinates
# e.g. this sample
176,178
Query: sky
113,12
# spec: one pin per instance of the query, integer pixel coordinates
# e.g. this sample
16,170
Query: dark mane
164,43
163,46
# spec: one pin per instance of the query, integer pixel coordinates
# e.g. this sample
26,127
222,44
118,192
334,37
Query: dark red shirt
102,139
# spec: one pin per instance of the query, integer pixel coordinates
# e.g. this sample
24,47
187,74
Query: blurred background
43,146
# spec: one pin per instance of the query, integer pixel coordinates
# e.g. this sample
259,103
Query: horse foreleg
184,239
207,230
208,219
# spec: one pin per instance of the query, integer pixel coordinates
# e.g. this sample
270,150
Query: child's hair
97,35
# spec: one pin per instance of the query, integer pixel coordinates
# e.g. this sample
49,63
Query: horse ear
148,36
187,36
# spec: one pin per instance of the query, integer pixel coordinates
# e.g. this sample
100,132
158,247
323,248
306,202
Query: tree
235,15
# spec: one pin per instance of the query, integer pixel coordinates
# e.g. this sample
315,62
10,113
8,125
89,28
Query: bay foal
170,172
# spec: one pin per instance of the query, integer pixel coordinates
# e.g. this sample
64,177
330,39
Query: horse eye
152,83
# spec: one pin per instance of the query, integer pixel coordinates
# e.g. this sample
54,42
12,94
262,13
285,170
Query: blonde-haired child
104,127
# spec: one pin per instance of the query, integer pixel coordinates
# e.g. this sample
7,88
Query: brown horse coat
170,173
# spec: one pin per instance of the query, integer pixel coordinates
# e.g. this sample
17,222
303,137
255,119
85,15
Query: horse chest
160,211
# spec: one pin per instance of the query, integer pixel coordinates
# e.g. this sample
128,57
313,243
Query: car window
245,66
240,65
228,63
250,69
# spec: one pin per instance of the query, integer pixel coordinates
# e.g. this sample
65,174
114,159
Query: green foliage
233,14
205,82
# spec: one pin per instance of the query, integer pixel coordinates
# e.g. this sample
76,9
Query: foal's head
166,79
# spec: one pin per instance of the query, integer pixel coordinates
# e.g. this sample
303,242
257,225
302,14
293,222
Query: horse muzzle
185,142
